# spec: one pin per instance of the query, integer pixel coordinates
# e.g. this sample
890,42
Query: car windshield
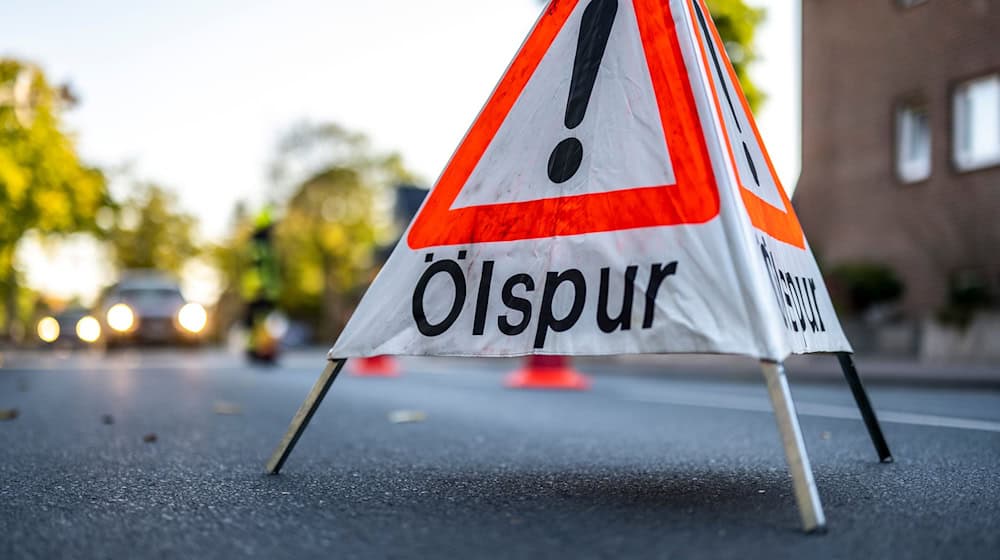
150,296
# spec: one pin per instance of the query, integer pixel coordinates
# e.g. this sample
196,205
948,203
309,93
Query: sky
193,94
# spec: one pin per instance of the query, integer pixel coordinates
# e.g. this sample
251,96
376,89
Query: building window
977,123
913,143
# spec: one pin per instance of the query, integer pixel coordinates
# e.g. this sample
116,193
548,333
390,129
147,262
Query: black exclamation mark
595,28
725,90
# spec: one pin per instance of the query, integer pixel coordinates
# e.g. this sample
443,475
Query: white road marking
754,404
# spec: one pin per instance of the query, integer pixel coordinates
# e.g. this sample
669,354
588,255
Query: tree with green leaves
152,231
43,184
336,215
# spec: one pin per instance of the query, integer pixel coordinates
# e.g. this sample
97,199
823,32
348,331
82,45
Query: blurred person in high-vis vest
260,287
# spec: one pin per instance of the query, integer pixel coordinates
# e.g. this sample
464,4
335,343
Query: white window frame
967,156
913,142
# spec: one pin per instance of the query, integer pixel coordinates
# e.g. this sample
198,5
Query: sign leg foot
865,406
304,414
806,494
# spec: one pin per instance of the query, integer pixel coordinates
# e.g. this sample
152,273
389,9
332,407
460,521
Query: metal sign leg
304,414
806,494
865,406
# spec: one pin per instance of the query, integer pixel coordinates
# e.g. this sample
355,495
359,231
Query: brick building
901,141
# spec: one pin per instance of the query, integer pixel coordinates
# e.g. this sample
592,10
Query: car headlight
121,317
88,329
192,318
48,329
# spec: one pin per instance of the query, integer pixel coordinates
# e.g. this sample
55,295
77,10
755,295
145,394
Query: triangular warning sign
612,197
581,135
761,191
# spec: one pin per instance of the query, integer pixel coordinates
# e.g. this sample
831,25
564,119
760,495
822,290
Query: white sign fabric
613,197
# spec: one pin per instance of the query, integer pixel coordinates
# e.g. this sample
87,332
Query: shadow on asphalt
682,499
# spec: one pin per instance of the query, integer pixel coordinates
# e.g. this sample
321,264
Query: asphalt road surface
444,462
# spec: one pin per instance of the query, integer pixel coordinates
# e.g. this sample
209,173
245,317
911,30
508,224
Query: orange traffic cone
375,366
548,372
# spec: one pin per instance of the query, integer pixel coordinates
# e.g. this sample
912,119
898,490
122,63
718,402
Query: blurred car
148,308
73,327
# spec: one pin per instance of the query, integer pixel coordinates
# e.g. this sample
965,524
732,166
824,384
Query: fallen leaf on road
9,413
149,438
227,408
407,416
107,419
